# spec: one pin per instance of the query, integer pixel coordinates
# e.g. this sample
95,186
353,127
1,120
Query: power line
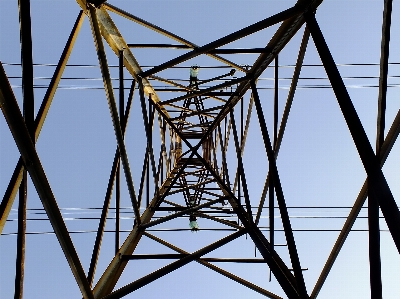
188,229
202,67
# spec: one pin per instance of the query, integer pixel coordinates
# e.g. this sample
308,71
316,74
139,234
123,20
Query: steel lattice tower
193,170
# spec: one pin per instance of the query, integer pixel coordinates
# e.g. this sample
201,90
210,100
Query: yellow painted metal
110,277
113,37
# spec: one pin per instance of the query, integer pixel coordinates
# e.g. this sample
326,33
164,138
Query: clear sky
318,163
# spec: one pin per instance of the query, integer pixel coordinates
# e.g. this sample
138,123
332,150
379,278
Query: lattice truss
189,172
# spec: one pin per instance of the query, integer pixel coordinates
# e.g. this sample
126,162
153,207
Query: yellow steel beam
117,43
110,277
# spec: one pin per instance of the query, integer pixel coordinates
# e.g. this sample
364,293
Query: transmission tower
192,178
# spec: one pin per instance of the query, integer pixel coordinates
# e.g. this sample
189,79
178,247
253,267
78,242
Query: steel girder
180,168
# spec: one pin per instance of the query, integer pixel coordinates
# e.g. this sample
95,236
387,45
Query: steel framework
187,166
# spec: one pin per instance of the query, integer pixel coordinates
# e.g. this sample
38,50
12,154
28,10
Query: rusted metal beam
12,114
16,178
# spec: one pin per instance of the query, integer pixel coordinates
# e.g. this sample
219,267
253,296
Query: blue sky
318,163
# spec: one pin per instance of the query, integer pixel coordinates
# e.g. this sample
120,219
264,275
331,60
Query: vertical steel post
373,206
113,107
118,182
276,91
15,121
20,260
376,182
271,179
281,200
241,173
387,18
288,105
29,118
27,65
355,210
15,181
104,212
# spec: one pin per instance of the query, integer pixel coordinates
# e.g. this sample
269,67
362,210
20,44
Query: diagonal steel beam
387,18
289,101
241,172
217,269
283,35
376,180
279,17
166,33
351,218
16,178
178,214
280,197
173,266
117,43
118,176
110,277
278,267
113,107
148,125
205,91
244,137
103,217
12,114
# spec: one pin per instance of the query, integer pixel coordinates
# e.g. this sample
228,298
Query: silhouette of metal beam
16,178
13,116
